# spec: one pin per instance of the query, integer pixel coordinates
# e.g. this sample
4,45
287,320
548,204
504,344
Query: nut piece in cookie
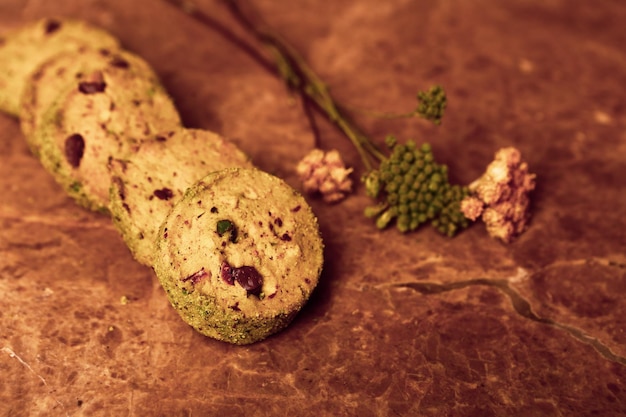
239,255
154,176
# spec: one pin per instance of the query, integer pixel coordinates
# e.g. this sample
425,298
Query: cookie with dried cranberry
54,76
24,49
239,255
155,175
102,114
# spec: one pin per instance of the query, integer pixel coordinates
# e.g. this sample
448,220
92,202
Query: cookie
23,50
147,183
52,77
239,255
100,116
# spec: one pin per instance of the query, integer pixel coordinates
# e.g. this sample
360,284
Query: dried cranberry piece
119,62
74,149
91,87
52,26
227,273
195,277
121,188
164,194
249,278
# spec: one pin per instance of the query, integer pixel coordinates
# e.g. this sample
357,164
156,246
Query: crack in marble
521,306
14,355
611,262
54,243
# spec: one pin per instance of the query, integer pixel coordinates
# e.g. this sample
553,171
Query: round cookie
239,255
100,116
146,184
23,50
53,77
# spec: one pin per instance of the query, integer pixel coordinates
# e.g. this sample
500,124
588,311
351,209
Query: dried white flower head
501,195
325,173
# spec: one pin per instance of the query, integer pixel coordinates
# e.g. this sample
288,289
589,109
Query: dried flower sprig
415,191
410,186
501,196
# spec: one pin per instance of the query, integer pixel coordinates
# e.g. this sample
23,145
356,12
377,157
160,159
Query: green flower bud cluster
415,191
432,104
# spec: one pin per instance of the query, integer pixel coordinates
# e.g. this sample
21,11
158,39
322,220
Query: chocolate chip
296,209
164,194
278,221
160,138
285,237
213,209
74,149
91,87
52,26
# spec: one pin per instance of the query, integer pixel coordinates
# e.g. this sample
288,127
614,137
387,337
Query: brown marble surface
417,325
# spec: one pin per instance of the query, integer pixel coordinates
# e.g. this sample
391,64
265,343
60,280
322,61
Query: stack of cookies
237,250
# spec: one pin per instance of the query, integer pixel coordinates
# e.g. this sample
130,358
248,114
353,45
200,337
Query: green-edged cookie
239,255
155,175
52,77
23,50
100,116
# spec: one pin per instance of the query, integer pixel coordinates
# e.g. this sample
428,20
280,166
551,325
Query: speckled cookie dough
239,255
55,76
155,175
23,50
102,114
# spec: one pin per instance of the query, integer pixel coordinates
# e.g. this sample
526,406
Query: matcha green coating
277,238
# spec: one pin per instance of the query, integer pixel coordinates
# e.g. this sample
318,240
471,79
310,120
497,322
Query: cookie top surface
100,116
55,76
240,250
23,50
155,175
